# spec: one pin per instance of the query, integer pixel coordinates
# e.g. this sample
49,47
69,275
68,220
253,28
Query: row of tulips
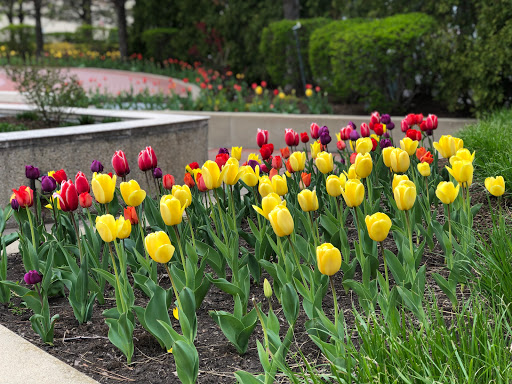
310,214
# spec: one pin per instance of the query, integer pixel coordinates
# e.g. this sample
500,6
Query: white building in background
52,25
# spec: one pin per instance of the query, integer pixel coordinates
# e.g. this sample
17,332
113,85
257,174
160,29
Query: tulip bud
48,184
82,184
124,228
32,172
281,220
236,152
447,192
431,122
364,165
340,145
315,149
130,214
298,161
261,137
364,145
277,162
106,227
266,151
211,175
59,176
147,159
365,130
24,196
404,125
374,119
159,247
304,137
448,146
103,187
132,193
353,193
313,129
307,200
289,137
405,195
378,226
324,162
265,186
223,151
157,173
328,259
268,203
424,169
409,145
399,160
397,179
96,166
32,277
250,175
279,185
85,200
305,179
495,186
168,181
285,153
462,171
120,164
189,180
386,155
385,119
335,184
267,289
15,205
171,210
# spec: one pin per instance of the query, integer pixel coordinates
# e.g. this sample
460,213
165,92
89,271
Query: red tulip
147,159
431,122
85,200
414,134
306,178
289,166
353,157
374,119
24,196
221,159
82,184
378,129
296,139
272,173
189,180
285,152
375,143
194,165
424,156
304,137
345,132
341,145
289,137
365,130
261,137
264,168
168,181
130,214
277,162
419,118
68,196
60,176
313,129
266,151
120,164
404,126
200,182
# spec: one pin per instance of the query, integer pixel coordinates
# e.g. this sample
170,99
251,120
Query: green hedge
278,50
20,38
160,42
319,54
382,63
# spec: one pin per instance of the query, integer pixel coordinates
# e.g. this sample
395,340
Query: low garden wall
177,141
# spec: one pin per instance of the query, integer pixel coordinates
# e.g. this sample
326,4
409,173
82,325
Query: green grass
491,138
7,127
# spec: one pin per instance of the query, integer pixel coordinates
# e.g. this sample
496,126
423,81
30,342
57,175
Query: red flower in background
365,130
130,214
289,137
221,159
266,151
277,162
306,178
424,156
378,129
261,137
304,137
375,143
60,176
168,181
313,129
68,196
147,159
189,180
414,134
285,152
85,200
374,119
82,184
120,164
200,182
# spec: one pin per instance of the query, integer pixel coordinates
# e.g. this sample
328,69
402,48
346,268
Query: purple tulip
342,160
390,125
384,143
32,172
385,119
253,164
15,205
48,184
157,173
32,277
325,138
223,150
322,130
351,124
354,135
96,166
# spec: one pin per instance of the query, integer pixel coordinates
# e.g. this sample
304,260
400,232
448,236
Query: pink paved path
114,81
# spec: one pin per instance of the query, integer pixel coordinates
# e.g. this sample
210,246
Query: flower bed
276,244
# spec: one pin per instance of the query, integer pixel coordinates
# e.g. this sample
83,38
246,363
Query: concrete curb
23,363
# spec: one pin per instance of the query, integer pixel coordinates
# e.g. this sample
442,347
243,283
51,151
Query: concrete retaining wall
177,141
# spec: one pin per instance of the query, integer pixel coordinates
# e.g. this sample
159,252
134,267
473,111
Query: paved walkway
113,81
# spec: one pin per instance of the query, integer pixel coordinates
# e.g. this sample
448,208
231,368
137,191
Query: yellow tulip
386,156
211,175
132,194
267,289
281,220
447,192
315,149
408,145
103,187
364,145
265,186
352,174
463,154
307,200
159,246
378,226
176,313
249,175
298,161
236,152
405,195
353,193
183,194
324,162
268,203
400,160
231,171
424,169
363,165
328,259
124,228
495,186
397,179
335,184
462,171
171,210
254,156
448,146
106,227
279,185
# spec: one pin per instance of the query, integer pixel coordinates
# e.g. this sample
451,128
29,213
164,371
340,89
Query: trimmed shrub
319,53
382,63
20,38
159,42
278,50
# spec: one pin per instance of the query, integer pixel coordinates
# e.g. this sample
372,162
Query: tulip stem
449,230
254,192
147,181
356,219
213,212
298,262
89,217
316,238
335,299
263,327
77,231
181,251
191,229
31,228
409,229
173,286
220,216
385,264
121,293
142,233
232,205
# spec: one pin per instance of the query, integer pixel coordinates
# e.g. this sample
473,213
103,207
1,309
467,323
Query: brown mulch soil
87,348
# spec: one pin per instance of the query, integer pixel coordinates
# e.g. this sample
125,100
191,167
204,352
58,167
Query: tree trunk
39,28
121,26
86,12
21,14
291,9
